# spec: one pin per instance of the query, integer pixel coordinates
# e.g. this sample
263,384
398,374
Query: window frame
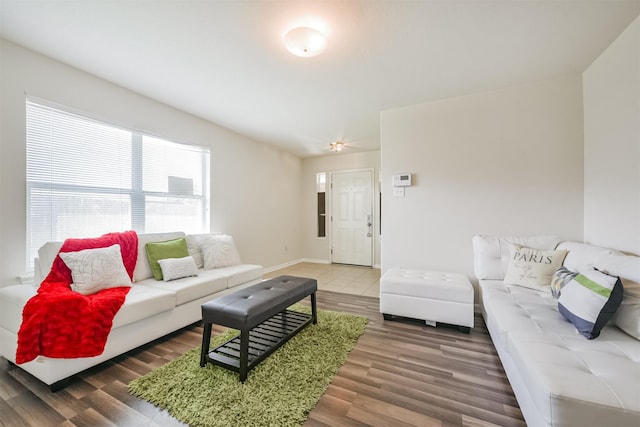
136,194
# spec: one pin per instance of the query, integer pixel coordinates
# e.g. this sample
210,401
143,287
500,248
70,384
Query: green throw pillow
176,248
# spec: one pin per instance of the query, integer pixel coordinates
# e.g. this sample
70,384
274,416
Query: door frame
329,205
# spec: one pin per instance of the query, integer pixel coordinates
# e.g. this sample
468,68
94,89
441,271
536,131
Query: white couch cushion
191,288
625,266
582,256
243,273
504,304
142,302
574,381
492,253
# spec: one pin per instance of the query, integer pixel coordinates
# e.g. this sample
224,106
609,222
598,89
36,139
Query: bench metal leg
206,339
244,354
314,311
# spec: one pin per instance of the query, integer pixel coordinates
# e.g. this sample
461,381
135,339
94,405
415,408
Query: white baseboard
316,261
298,261
279,266
294,262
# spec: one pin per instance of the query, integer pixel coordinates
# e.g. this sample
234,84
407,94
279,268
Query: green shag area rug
280,391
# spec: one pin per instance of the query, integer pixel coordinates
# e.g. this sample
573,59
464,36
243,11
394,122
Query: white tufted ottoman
427,295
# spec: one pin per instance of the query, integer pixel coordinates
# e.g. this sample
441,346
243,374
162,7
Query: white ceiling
225,61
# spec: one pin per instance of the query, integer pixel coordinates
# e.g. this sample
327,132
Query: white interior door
352,217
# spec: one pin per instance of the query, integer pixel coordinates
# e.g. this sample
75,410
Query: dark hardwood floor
401,373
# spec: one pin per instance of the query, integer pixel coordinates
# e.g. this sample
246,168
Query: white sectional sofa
558,376
152,308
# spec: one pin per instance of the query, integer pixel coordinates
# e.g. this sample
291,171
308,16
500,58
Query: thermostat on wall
402,180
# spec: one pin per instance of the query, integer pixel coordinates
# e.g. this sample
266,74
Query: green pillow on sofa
176,248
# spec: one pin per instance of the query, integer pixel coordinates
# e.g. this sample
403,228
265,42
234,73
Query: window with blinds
86,178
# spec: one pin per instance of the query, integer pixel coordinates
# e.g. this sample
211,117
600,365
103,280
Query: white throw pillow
193,246
219,251
95,269
177,268
194,243
628,315
533,268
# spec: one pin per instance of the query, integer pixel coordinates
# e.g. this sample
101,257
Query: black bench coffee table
260,313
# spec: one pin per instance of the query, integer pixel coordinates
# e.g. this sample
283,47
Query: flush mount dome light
305,41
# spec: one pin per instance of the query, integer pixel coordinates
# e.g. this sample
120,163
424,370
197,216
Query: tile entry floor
346,279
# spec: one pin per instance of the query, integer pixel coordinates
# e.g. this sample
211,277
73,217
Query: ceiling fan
340,145
336,146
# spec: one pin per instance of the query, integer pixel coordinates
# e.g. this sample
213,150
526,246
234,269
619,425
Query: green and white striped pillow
590,300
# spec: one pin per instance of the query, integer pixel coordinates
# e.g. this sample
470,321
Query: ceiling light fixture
336,146
305,41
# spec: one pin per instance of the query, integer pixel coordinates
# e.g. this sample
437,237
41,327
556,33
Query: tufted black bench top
250,306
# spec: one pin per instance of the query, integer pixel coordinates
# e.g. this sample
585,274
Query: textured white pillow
95,269
177,268
194,243
219,251
533,268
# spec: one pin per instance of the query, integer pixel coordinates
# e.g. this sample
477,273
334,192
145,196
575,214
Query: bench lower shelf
261,341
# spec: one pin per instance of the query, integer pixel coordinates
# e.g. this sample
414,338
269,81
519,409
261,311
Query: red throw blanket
58,322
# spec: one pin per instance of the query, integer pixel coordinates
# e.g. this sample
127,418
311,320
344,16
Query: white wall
612,145
502,162
319,248
256,192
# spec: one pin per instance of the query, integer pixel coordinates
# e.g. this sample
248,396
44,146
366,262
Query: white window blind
86,178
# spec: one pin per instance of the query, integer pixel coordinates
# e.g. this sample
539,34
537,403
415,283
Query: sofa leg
387,316
464,329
